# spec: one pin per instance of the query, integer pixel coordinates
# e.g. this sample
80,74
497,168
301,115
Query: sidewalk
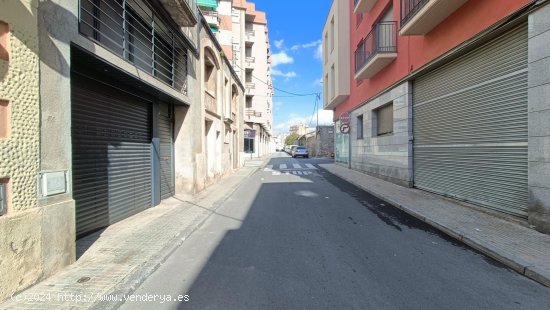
521,248
112,263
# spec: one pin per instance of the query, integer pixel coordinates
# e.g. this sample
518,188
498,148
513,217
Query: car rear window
301,148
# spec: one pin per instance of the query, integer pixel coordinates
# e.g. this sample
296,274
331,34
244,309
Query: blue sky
295,32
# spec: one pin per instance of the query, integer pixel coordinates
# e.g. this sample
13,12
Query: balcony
361,6
249,62
249,34
250,88
184,12
377,50
210,103
231,118
212,18
418,17
140,36
252,113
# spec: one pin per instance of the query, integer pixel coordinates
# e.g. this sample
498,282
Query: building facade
320,142
36,228
299,129
446,96
242,33
122,105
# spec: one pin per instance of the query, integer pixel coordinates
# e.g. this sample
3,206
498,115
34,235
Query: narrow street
293,236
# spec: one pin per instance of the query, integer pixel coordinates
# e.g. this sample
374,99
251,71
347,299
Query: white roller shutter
470,126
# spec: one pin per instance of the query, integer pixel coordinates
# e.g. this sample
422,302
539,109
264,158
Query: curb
516,264
141,272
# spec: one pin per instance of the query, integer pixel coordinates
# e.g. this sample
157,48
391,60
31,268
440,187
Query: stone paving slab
512,243
113,262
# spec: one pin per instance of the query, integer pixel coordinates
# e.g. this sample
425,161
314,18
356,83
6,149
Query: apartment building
242,33
299,129
122,104
447,97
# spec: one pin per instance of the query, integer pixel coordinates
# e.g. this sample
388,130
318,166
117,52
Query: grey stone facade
320,143
539,117
388,157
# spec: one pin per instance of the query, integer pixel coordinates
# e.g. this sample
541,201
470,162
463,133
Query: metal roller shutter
470,126
111,140
166,152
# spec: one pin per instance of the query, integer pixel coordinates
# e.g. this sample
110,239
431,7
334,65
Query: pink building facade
445,96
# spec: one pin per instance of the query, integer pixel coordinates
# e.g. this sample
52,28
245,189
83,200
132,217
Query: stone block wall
20,238
539,117
387,157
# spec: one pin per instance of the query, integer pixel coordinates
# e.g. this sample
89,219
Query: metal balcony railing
249,35
250,59
250,85
135,32
409,8
250,112
381,39
211,13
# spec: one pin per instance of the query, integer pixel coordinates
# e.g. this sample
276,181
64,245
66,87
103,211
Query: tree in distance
291,139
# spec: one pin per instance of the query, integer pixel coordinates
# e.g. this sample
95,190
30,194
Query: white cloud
319,52
318,82
280,58
325,118
289,74
306,45
279,43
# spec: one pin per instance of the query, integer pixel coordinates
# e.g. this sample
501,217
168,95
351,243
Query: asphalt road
297,237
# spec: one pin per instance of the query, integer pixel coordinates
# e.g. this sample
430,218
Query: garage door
166,151
111,140
470,126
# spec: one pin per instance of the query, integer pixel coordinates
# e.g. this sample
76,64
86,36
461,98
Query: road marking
297,166
282,166
310,166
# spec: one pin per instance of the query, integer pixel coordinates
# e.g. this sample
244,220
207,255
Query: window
384,120
326,47
325,87
358,19
4,119
332,34
4,44
360,127
248,145
332,82
248,102
3,197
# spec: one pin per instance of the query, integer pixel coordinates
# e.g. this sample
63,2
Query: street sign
345,118
344,128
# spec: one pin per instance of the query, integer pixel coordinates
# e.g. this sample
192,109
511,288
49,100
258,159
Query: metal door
166,151
470,126
111,141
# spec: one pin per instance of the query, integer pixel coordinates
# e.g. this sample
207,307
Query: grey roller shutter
111,140
470,126
166,152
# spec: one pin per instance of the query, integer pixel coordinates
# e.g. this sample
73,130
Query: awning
208,3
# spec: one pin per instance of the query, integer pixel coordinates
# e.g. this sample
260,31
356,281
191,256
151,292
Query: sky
295,32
